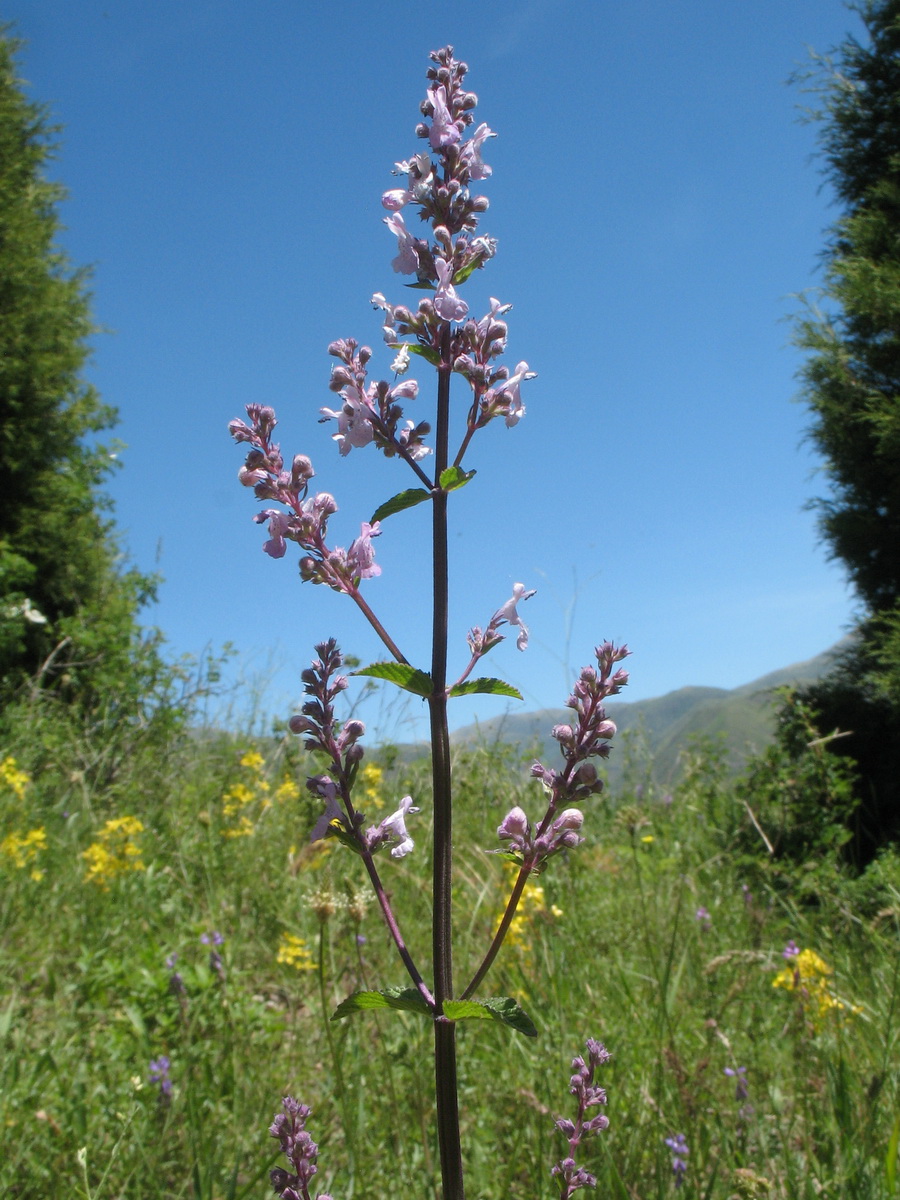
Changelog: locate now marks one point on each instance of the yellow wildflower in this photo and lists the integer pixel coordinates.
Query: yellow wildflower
(16, 780)
(370, 779)
(236, 798)
(287, 790)
(530, 905)
(253, 790)
(293, 952)
(24, 849)
(115, 851)
(243, 828)
(808, 976)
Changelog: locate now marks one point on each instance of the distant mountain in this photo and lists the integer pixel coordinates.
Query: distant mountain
(659, 728)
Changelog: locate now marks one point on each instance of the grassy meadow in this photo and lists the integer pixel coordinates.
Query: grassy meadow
(171, 947)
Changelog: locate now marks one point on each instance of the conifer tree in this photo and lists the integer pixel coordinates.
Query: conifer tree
(67, 612)
(851, 383)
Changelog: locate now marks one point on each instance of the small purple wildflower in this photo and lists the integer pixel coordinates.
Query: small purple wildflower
(215, 939)
(289, 1127)
(159, 1074)
(738, 1074)
(480, 641)
(679, 1147)
(702, 915)
(746, 894)
(791, 951)
(176, 983)
(392, 831)
(581, 1085)
(668, 799)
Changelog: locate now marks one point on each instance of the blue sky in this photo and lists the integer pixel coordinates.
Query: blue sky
(658, 210)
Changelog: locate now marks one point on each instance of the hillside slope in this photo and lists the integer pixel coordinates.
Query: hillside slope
(660, 727)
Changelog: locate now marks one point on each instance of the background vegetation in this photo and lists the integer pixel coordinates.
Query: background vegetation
(172, 947)
(851, 383)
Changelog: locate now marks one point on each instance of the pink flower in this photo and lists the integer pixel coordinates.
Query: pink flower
(407, 260)
(396, 825)
(444, 132)
(279, 524)
(447, 304)
(494, 321)
(361, 556)
(354, 419)
(478, 169)
(393, 829)
(515, 409)
(510, 614)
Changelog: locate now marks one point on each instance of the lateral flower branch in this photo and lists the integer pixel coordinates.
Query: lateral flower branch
(439, 332)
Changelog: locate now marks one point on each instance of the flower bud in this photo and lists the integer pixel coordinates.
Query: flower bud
(395, 199)
(340, 378)
(513, 825)
(251, 477)
(569, 818)
(240, 430)
(300, 724)
(301, 469)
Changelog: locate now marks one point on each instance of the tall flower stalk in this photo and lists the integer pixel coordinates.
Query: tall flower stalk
(440, 333)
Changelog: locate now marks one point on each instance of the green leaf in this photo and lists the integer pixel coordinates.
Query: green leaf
(453, 478)
(408, 999)
(433, 356)
(402, 674)
(466, 1010)
(497, 1008)
(464, 272)
(408, 499)
(346, 838)
(490, 687)
(890, 1162)
(6, 1017)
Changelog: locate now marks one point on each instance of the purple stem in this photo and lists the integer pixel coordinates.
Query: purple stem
(377, 626)
(444, 1031)
(494, 948)
(394, 929)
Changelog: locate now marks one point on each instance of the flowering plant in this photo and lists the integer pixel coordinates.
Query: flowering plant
(440, 332)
